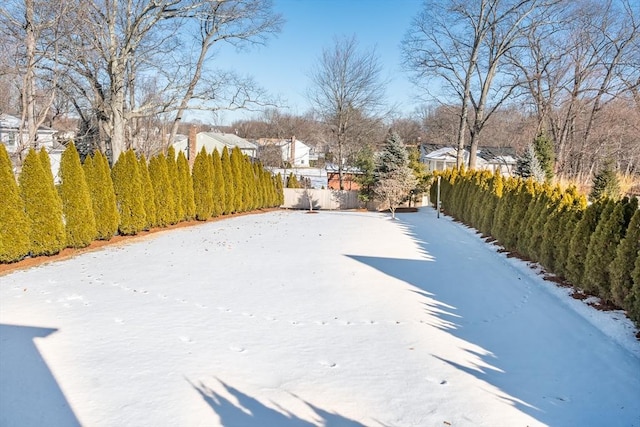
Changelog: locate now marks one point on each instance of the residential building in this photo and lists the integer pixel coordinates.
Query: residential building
(438, 157)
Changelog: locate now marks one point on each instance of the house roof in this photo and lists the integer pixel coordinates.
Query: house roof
(231, 140)
(488, 154)
(7, 121)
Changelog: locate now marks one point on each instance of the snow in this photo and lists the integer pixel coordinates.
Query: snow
(294, 319)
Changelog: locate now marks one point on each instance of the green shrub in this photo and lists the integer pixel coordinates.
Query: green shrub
(103, 198)
(162, 191)
(621, 268)
(202, 186)
(80, 223)
(14, 223)
(148, 195)
(127, 186)
(633, 300)
(218, 184)
(186, 187)
(174, 183)
(42, 205)
(229, 184)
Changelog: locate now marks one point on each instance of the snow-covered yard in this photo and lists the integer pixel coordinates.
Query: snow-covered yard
(291, 319)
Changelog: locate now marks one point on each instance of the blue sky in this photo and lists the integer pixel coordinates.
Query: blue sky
(282, 67)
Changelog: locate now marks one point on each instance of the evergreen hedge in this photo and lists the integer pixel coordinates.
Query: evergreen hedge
(148, 195)
(79, 221)
(596, 248)
(14, 223)
(103, 198)
(127, 185)
(42, 205)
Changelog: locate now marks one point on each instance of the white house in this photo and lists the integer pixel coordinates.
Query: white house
(294, 151)
(10, 137)
(438, 157)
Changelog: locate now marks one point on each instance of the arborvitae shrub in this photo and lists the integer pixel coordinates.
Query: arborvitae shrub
(218, 184)
(148, 195)
(203, 186)
(127, 185)
(229, 185)
(279, 191)
(580, 242)
(186, 187)
(162, 190)
(543, 147)
(42, 205)
(103, 198)
(622, 265)
(238, 180)
(80, 223)
(292, 181)
(601, 250)
(174, 182)
(14, 224)
(260, 190)
(633, 300)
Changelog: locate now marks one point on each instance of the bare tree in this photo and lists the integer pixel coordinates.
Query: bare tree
(462, 44)
(346, 85)
(33, 28)
(166, 45)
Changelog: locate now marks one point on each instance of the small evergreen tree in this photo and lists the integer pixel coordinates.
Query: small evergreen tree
(292, 181)
(580, 242)
(162, 191)
(528, 165)
(543, 147)
(601, 250)
(174, 183)
(103, 198)
(186, 187)
(633, 300)
(14, 223)
(621, 268)
(605, 183)
(127, 186)
(394, 178)
(218, 185)
(148, 195)
(42, 205)
(203, 186)
(80, 223)
(229, 186)
(238, 180)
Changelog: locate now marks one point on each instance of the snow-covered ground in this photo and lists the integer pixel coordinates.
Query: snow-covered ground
(296, 319)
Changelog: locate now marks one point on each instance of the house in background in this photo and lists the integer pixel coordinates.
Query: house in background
(192, 144)
(438, 158)
(294, 151)
(10, 136)
(349, 177)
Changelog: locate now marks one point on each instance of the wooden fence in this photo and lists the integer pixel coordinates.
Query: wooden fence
(300, 198)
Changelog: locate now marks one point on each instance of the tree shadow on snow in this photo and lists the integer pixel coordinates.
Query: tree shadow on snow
(29, 394)
(503, 329)
(250, 412)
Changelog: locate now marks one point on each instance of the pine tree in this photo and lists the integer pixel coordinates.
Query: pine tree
(279, 193)
(148, 195)
(162, 191)
(622, 266)
(543, 147)
(218, 184)
(528, 165)
(186, 187)
(605, 183)
(127, 186)
(174, 182)
(103, 198)
(393, 177)
(42, 205)
(292, 181)
(80, 223)
(202, 186)
(229, 186)
(14, 223)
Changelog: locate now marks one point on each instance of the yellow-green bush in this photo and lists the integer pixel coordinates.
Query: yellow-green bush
(14, 224)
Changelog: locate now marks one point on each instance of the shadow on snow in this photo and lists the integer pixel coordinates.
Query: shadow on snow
(29, 394)
(250, 412)
(510, 336)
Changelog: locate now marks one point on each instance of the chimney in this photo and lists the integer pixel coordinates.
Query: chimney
(292, 151)
(191, 143)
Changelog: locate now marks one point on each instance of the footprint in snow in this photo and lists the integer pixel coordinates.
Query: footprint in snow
(118, 320)
(328, 364)
(237, 349)
(186, 339)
